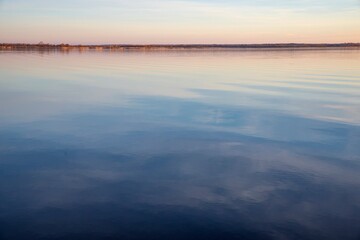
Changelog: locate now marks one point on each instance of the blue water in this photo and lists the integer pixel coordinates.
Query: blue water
(180, 145)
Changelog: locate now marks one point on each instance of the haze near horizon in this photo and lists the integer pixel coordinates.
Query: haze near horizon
(178, 22)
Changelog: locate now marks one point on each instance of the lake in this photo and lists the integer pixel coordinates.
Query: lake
(237, 144)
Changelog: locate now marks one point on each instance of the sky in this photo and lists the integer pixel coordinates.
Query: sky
(179, 21)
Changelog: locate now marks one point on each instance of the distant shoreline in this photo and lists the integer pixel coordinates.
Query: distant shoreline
(68, 47)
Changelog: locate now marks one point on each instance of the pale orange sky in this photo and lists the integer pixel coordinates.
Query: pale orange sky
(179, 21)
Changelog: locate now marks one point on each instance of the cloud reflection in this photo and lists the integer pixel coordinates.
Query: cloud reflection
(229, 178)
(165, 145)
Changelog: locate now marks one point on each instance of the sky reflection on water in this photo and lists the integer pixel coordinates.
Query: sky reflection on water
(180, 145)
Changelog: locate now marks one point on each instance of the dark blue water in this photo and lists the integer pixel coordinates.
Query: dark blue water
(180, 145)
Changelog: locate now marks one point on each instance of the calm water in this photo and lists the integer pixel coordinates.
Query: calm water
(180, 145)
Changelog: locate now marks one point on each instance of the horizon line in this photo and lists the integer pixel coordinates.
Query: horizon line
(150, 47)
(162, 44)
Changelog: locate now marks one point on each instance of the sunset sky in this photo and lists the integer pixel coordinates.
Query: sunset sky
(179, 21)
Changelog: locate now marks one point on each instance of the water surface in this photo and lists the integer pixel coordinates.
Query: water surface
(180, 145)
